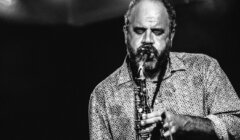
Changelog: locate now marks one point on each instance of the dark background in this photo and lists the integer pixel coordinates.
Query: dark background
(49, 70)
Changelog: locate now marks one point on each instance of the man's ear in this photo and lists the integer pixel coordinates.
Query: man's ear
(125, 31)
(171, 37)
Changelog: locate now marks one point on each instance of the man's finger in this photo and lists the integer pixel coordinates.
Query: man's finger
(148, 129)
(152, 115)
(170, 132)
(168, 124)
(151, 121)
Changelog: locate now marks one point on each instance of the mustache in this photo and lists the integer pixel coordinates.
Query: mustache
(147, 49)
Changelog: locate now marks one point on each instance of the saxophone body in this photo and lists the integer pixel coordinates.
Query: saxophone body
(141, 101)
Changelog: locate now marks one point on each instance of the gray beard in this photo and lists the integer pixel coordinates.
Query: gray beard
(151, 68)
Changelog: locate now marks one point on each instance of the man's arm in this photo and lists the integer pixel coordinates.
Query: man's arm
(222, 107)
(222, 112)
(223, 103)
(181, 126)
(98, 124)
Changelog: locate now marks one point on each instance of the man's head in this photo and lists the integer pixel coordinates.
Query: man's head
(149, 24)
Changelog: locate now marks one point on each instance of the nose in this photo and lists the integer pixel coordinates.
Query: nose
(148, 38)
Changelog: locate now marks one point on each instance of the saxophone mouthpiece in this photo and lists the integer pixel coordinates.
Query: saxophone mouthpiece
(141, 66)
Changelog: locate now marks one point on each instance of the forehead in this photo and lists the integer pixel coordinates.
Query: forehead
(149, 13)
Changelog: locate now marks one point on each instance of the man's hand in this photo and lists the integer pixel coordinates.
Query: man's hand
(178, 124)
(172, 123)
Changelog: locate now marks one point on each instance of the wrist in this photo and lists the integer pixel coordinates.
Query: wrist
(198, 127)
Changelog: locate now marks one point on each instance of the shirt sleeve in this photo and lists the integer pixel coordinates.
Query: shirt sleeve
(223, 103)
(98, 124)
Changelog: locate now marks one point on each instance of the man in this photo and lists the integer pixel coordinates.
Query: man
(189, 95)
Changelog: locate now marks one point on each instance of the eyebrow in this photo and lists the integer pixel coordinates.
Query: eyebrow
(157, 28)
(139, 27)
(144, 28)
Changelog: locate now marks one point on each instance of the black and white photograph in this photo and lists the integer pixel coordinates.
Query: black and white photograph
(119, 70)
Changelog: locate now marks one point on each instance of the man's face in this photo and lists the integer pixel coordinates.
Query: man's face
(148, 28)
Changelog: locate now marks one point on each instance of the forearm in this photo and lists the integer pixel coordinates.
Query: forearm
(198, 128)
(227, 125)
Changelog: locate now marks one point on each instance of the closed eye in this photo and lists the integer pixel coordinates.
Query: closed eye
(139, 30)
(158, 32)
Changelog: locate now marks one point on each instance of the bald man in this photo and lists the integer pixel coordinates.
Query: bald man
(158, 94)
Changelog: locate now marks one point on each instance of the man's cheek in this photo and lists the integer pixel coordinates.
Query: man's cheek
(134, 45)
(160, 45)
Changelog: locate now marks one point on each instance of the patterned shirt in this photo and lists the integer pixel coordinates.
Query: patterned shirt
(193, 84)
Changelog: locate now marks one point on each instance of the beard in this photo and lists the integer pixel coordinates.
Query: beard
(153, 60)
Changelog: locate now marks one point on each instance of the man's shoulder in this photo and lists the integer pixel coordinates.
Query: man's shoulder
(109, 82)
(194, 59)
(192, 56)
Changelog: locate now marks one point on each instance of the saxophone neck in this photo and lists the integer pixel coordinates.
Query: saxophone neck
(141, 68)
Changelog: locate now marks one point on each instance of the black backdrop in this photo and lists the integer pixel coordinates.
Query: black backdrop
(48, 71)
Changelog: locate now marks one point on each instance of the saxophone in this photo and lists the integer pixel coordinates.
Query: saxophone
(142, 105)
(141, 100)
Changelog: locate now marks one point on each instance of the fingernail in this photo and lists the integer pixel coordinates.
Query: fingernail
(165, 125)
(165, 135)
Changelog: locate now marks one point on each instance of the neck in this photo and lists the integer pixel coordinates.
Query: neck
(152, 76)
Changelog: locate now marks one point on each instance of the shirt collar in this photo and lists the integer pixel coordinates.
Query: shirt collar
(175, 64)
(124, 75)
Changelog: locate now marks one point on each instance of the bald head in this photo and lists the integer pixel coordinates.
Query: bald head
(150, 12)
(144, 6)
